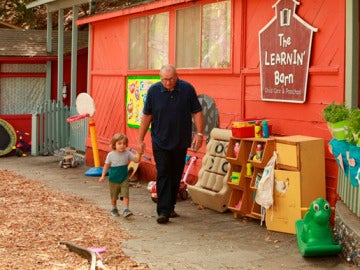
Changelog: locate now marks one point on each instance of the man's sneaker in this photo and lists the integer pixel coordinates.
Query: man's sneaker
(115, 212)
(173, 214)
(127, 213)
(162, 219)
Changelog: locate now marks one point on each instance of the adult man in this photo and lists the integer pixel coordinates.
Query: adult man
(169, 108)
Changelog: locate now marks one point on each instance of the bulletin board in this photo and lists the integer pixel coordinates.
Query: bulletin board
(136, 92)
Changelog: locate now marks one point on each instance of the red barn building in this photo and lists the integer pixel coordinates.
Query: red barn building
(23, 71)
(215, 46)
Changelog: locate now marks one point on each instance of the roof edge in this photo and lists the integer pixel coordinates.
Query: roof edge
(131, 10)
(38, 3)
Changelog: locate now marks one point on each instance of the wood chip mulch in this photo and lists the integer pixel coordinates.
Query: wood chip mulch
(35, 219)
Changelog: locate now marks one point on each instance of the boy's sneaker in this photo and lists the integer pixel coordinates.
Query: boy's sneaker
(115, 212)
(127, 213)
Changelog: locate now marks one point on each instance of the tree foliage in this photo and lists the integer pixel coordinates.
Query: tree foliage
(14, 12)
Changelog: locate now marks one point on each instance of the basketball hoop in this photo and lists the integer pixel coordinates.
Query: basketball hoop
(77, 117)
(86, 108)
(85, 104)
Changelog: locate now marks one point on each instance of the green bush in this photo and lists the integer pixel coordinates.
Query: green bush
(334, 113)
(354, 126)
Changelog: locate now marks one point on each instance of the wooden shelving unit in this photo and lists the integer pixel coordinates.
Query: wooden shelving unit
(242, 196)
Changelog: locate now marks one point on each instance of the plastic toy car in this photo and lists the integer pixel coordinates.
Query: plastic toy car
(182, 193)
(68, 161)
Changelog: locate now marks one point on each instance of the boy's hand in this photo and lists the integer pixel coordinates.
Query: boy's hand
(101, 179)
(137, 157)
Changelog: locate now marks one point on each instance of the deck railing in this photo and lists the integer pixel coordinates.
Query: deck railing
(349, 194)
(78, 131)
(51, 131)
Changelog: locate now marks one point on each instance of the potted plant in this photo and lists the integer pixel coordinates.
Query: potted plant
(354, 127)
(336, 116)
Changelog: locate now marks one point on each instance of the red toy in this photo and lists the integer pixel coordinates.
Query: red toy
(183, 193)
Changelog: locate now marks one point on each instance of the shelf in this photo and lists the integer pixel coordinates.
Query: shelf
(236, 202)
(256, 177)
(234, 186)
(242, 197)
(230, 154)
(261, 159)
(244, 151)
(235, 171)
(256, 210)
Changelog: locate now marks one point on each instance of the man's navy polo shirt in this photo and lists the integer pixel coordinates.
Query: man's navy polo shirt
(171, 111)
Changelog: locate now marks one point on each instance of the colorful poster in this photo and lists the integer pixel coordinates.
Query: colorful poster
(136, 91)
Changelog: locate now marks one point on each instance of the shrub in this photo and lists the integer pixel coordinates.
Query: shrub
(334, 113)
(354, 125)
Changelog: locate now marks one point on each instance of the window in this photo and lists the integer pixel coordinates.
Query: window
(21, 95)
(158, 40)
(285, 17)
(188, 37)
(149, 42)
(22, 89)
(202, 38)
(206, 32)
(137, 46)
(23, 68)
(216, 35)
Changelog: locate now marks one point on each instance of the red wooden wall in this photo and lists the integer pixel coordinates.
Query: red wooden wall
(236, 91)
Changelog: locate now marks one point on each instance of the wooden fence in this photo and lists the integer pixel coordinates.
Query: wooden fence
(78, 131)
(51, 131)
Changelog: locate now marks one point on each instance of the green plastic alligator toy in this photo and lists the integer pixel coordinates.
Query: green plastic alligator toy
(313, 233)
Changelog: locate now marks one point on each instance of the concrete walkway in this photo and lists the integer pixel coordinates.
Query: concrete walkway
(198, 239)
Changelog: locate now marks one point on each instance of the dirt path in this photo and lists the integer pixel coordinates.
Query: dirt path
(199, 239)
(35, 219)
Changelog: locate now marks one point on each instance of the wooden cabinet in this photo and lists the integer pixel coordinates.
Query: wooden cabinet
(286, 209)
(246, 168)
(299, 180)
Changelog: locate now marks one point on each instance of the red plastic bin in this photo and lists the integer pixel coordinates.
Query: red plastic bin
(243, 132)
